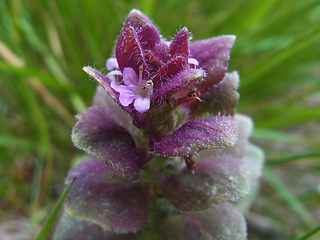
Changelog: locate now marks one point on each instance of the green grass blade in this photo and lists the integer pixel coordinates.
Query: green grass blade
(10, 141)
(253, 73)
(43, 235)
(268, 134)
(287, 196)
(309, 233)
(293, 157)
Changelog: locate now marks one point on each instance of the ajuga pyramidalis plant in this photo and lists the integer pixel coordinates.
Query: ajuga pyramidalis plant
(169, 156)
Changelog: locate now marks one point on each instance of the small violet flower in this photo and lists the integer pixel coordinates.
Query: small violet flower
(134, 89)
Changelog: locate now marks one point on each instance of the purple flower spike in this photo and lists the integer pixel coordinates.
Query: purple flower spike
(193, 136)
(161, 102)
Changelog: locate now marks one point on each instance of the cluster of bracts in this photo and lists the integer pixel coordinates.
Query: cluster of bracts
(170, 158)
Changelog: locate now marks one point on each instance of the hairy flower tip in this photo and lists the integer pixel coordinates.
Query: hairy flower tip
(193, 136)
(103, 80)
(179, 86)
(213, 55)
(221, 222)
(215, 180)
(138, 34)
(220, 99)
(180, 44)
(100, 135)
(97, 196)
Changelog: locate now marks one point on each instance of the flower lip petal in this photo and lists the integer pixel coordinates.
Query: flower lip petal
(126, 98)
(142, 104)
(112, 75)
(130, 76)
(193, 61)
(112, 64)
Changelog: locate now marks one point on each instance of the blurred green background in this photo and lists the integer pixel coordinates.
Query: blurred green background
(45, 43)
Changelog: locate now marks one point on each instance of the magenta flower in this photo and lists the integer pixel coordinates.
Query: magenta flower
(163, 125)
(134, 89)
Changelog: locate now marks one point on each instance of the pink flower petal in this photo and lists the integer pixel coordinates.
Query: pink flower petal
(119, 88)
(112, 75)
(130, 76)
(193, 61)
(142, 104)
(126, 98)
(112, 64)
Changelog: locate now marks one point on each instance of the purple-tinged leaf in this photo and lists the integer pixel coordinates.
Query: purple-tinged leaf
(193, 136)
(98, 134)
(103, 99)
(222, 222)
(143, 29)
(103, 80)
(214, 181)
(153, 63)
(220, 99)
(139, 21)
(254, 159)
(180, 44)
(213, 56)
(244, 126)
(129, 52)
(180, 85)
(170, 69)
(69, 228)
(161, 51)
(97, 196)
(148, 36)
